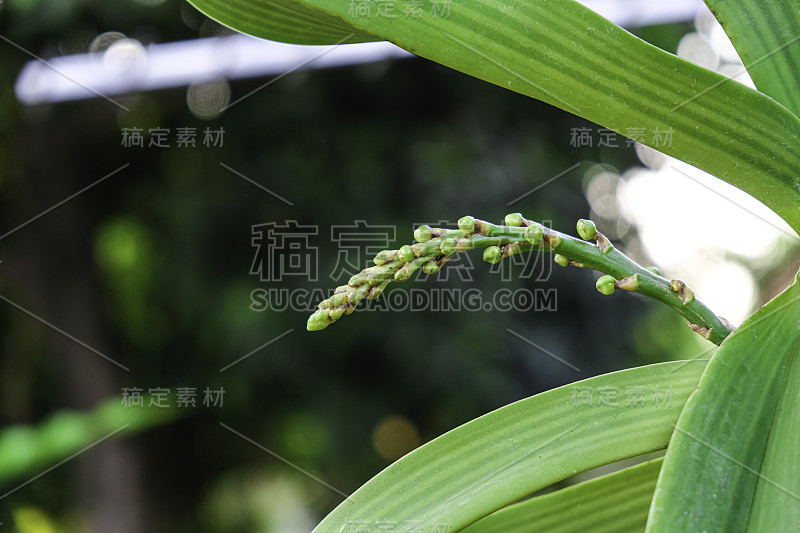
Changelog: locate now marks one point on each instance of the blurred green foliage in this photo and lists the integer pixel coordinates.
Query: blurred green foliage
(26, 449)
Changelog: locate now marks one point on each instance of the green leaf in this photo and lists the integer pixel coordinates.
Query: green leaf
(284, 20)
(733, 456)
(776, 505)
(767, 37)
(563, 53)
(613, 503)
(514, 451)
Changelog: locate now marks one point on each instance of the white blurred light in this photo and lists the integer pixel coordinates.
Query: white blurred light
(711, 48)
(644, 13)
(687, 229)
(650, 156)
(722, 44)
(125, 56)
(710, 28)
(601, 191)
(729, 289)
(679, 195)
(184, 63)
(692, 224)
(737, 73)
(705, 21)
(697, 49)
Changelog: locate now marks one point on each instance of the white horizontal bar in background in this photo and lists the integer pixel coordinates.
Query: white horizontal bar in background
(137, 69)
(183, 63)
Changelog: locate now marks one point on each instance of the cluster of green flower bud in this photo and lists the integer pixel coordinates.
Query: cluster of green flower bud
(433, 248)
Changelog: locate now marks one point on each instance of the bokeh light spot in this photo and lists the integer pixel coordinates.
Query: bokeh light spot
(394, 436)
(102, 42)
(208, 100)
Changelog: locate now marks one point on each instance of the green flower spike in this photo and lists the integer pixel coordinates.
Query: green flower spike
(436, 245)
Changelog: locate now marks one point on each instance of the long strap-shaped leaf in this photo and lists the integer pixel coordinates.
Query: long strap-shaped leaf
(614, 503)
(776, 506)
(734, 454)
(563, 53)
(509, 453)
(767, 36)
(284, 20)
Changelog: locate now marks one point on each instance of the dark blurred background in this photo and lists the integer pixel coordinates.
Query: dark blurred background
(155, 268)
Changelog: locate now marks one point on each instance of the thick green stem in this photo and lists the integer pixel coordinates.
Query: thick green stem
(520, 235)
